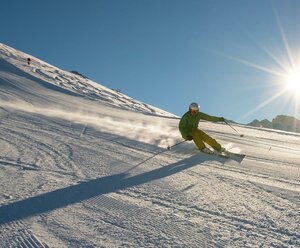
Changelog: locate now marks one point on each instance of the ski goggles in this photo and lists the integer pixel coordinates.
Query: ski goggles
(194, 111)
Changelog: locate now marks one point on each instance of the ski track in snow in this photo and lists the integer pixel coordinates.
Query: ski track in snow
(18, 234)
(77, 172)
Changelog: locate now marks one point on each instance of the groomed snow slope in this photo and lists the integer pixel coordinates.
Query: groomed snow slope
(78, 170)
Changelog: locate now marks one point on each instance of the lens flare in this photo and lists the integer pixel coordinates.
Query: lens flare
(293, 80)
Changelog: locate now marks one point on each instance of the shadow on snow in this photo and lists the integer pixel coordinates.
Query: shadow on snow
(77, 193)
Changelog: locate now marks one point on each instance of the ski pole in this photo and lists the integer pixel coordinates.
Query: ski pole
(241, 135)
(169, 147)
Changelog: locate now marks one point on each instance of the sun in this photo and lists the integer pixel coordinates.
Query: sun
(293, 80)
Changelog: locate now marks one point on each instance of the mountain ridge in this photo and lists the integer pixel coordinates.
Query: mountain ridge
(280, 122)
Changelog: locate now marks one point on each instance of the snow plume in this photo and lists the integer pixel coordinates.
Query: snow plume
(230, 147)
(124, 123)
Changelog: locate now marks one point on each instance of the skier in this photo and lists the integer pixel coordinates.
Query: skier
(188, 127)
(28, 61)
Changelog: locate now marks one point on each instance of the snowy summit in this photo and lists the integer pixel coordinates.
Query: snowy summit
(86, 166)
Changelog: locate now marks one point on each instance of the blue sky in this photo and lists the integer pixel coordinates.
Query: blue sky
(225, 55)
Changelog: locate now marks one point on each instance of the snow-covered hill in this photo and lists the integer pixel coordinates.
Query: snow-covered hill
(73, 82)
(84, 166)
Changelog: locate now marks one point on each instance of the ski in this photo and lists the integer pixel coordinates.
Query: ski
(226, 154)
(233, 156)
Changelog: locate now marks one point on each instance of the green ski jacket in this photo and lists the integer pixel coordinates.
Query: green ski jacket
(189, 123)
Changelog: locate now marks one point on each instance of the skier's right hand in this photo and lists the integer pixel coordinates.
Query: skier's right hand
(189, 137)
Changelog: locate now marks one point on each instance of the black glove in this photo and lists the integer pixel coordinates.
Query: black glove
(222, 119)
(189, 137)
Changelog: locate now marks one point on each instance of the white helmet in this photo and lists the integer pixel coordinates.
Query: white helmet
(194, 106)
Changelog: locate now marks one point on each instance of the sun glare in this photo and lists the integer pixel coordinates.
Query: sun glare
(285, 74)
(293, 80)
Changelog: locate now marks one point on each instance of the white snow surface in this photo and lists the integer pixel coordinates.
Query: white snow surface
(85, 166)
